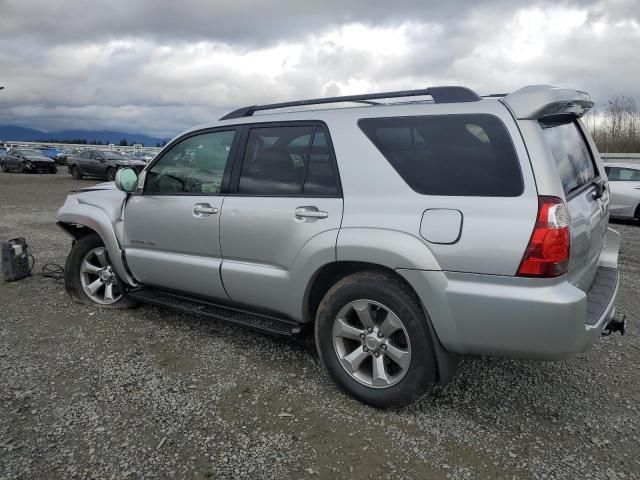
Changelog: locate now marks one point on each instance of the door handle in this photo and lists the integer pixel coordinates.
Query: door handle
(310, 212)
(203, 210)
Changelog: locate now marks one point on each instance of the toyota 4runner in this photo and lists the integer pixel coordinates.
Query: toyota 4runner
(403, 228)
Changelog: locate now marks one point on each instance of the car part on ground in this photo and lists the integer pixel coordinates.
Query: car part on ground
(15, 259)
(454, 221)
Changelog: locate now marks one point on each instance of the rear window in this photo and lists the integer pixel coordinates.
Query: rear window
(571, 155)
(466, 155)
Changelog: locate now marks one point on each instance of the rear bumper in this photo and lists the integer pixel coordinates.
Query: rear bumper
(519, 317)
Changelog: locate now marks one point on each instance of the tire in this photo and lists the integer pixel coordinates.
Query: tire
(3, 167)
(54, 170)
(111, 174)
(382, 292)
(23, 168)
(75, 172)
(74, 276)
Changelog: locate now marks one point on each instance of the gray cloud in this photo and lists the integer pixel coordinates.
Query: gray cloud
(161, 68)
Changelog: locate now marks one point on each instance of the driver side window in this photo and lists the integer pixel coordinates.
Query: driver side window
(194, 165)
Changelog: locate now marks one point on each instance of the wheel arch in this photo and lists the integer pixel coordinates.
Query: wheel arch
(326, 276)
(80, 220)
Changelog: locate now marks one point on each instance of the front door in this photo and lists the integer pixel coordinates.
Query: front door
(171, 229)
(281, 217)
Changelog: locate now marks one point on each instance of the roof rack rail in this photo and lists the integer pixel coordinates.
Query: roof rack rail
(439, 95)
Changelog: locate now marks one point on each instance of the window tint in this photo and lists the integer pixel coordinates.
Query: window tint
(571, 155)
(275, 160)
(195, 165)
(469, 155)
(322, 178)
(623, 174)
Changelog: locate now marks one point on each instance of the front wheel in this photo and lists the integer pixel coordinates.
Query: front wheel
(111, 174)
(373, 338)
(89, 276)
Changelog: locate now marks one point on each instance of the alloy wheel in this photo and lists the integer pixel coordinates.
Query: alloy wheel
(371, 343)
(98, 278)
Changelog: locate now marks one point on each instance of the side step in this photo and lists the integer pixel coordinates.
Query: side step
(263, 323)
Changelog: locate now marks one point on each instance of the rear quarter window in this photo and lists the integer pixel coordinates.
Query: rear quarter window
(571, 155)
(463, 155)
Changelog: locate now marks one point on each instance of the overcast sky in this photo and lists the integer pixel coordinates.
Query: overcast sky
(140, 66)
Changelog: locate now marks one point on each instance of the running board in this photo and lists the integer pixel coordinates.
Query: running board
(260, 322)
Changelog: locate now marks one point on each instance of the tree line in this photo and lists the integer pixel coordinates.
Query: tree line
(617, 128)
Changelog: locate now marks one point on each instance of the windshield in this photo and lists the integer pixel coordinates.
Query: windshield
(30, 152)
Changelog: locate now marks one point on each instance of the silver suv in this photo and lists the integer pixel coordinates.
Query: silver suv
(404, 229)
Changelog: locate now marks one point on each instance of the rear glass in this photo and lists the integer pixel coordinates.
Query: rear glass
(466, 155)
(571, 155)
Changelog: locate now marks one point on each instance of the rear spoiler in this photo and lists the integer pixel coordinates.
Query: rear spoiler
(536, 102)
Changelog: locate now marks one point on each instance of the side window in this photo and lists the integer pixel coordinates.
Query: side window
(97, 155)
(322, 177)
(275, 160)
(194, 165)
(289, 161)
(466, 155)
(629, 175)
(613, 173)
(86, 154)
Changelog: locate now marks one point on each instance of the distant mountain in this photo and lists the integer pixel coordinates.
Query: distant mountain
(22, 134)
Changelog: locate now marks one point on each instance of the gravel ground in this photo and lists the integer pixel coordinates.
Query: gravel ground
(92, 393)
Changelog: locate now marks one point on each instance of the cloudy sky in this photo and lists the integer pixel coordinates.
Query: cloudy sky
(160, 67)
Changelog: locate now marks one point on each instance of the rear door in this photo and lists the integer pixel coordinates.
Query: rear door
(86, 162)
(282, 214)
(588, 207)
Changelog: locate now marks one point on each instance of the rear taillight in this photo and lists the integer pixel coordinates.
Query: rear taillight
(547, 254)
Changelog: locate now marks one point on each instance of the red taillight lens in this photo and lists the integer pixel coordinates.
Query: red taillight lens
(548, 252)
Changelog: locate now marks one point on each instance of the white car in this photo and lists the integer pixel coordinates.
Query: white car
(624, 187)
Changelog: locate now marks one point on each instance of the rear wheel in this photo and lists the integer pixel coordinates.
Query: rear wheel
(111, 174)
(75, 172)
(89, 276)
(372, 336)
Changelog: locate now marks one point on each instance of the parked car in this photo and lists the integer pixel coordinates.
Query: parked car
(101, 164)
(624, 183)
(62, 157)
(403, 235)
(27, 161)
(51, 152)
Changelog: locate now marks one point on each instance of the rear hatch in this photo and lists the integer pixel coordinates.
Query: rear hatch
(586, 197)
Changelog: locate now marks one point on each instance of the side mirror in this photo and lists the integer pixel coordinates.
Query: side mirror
(126, 180)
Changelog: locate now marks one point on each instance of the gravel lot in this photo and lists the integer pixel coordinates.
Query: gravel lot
(91, 393)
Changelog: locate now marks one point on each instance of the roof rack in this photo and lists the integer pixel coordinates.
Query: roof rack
(439, 95)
